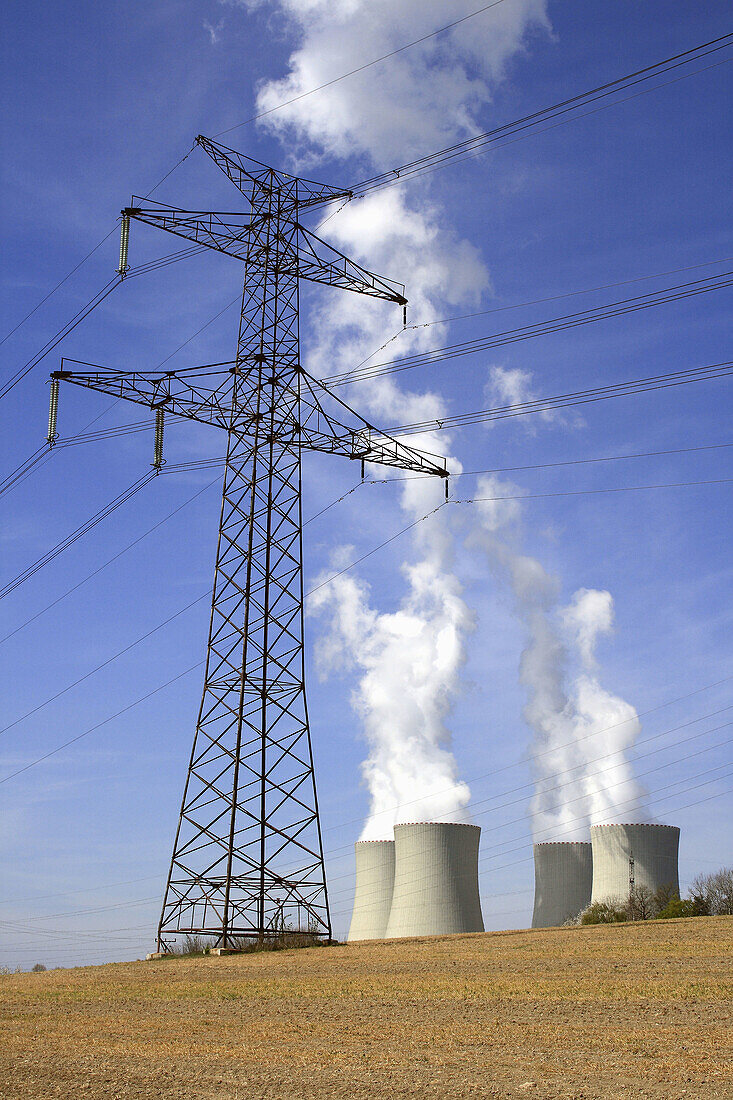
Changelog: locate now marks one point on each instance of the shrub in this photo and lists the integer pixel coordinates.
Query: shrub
(679, 907)
(38, 968)
(604, 912)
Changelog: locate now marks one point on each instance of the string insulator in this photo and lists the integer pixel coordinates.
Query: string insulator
(124, 241)
(52, 412)
(446, 488)
(158, 460)
(404, 316)
(363, 470)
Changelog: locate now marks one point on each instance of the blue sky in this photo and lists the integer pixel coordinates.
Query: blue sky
(98, 104)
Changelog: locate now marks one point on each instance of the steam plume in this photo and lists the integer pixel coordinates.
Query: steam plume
(408, 660)
(575, 719)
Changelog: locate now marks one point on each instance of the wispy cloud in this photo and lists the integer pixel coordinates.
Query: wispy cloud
(214, 30)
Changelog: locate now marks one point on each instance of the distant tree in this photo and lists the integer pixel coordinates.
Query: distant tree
(679, 907)
(663, 895)
(640, 904)
(722, 892)
(38, 968)
(604, 912)
(714, 893)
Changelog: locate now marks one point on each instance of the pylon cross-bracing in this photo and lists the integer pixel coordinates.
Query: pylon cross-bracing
(248, 851)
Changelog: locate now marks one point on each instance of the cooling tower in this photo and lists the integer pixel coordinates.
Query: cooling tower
(563, 876)
(375, 865)
(654, 851)
(436, 880)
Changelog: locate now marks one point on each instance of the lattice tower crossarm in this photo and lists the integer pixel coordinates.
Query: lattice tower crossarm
(248, 847)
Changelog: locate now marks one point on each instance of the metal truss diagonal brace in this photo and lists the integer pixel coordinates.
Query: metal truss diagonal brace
(250, 176)
(303, 254)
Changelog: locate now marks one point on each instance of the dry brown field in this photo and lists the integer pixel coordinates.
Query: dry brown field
(632, 1011)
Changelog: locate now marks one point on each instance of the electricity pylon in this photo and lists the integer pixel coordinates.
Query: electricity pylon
(248, 847)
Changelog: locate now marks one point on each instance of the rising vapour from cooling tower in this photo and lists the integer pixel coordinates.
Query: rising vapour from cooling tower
(408, 662)
(582, 732)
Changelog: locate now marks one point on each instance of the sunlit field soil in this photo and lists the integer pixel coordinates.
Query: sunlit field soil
(631, 1011)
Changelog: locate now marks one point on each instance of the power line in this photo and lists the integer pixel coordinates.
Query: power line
(104, 722)
(198, 664)
(110, 561)
(459, 150)
(593, 492)
(560, 297)
(360, 68)
(149, 633)
(541, 328)
(576, 462)
(25, 469)
(107, 662)
(88, 255)
(69, 327)
(54, 552)
(58, 286)
(631, 388)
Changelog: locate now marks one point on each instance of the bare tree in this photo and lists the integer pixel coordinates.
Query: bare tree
(714, 893)
(641, 904)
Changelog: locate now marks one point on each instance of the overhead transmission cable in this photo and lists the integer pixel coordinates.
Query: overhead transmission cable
(88, 307)
(153, 630)
(561, 323)
(361, 68)
(472, 146)
(89, 254)
(54, 552)
(110, 561)
(53, 342)
(192, 668)
(630, 388)
(560, 297)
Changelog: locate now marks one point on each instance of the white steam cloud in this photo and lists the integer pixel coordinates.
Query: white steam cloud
(582, 731)
(409, 661)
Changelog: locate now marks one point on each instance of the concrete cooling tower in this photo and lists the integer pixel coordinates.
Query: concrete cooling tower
(436, 880)
(563, 877)
(375, 868)
(653, 848)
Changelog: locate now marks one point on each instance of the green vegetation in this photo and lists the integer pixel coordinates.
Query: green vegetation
(710, 896)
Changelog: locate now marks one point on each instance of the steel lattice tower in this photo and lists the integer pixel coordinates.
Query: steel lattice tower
(248, 847)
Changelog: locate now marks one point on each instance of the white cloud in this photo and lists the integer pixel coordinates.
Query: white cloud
(513, 387)
(422, 98)
(214, 30)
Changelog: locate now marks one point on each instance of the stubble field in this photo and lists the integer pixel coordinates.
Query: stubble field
(631, 1011)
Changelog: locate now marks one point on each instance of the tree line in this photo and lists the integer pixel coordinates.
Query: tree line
(709, 896)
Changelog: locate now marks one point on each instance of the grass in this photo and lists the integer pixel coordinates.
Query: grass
(636, 1011)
